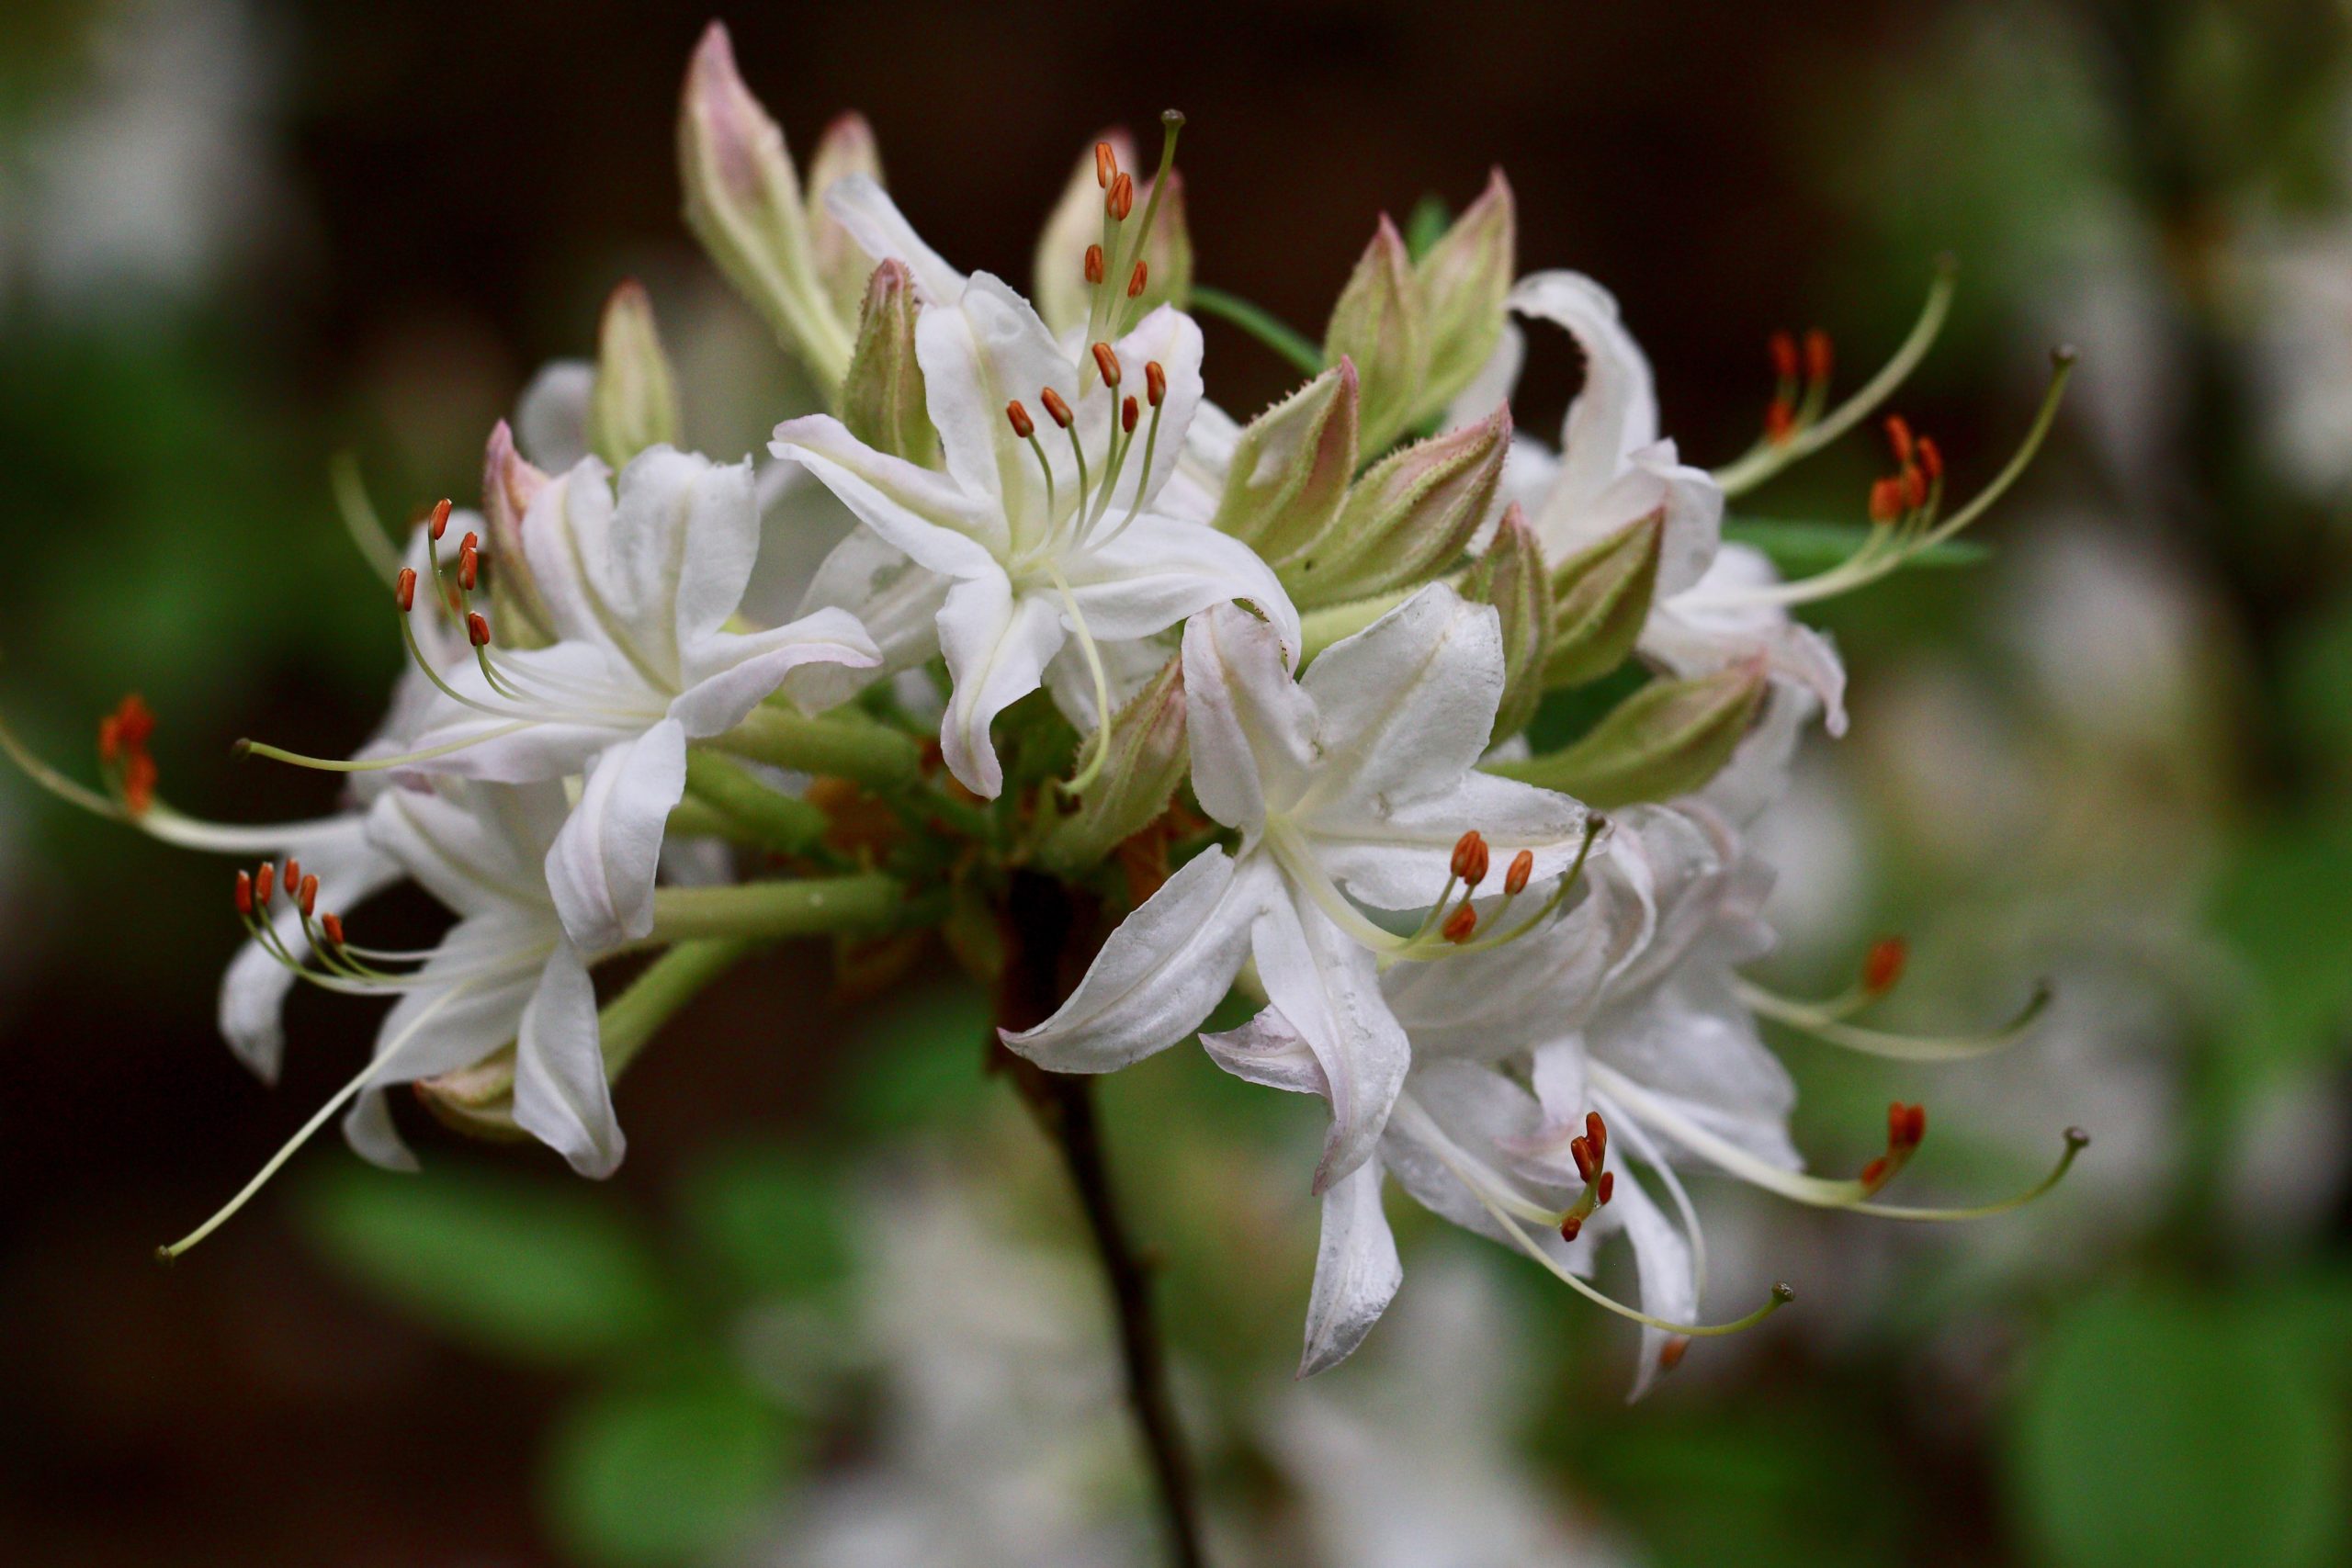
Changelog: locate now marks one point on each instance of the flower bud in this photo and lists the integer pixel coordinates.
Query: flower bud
(1145, 764)
(1511, 577)
(1665, 740)
(1292, 466)
(743, 203)
(634, 403)
(1601, 597)
(1377, 322)
(840, 263)
(1464, 280)
(510, 482)
(1410, 517)
(882, 396)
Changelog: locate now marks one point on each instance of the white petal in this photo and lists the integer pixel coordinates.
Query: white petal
(1617, 408)
(1268, 1051)
(1508, 1000)
(1407, 702)
(477, 848)
(1327, 986)
(1170, 339)
(1696, 633)
(1356, 1270)
(1662, 1257)
(1485, 1116)
(928, 515)
(896, 600)
(1163, 970)
(996, 648)
(1491, 388)
(859, 204)
(684, 538)
(1158, 570)
(561, 1097)
(1395, 854)
(469, 742)
(601, 868)
(978, 357)
(801, 523)
(1251, 727)
(730, 673)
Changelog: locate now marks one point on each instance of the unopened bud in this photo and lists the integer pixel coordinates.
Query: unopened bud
(1411, 516)
(1377, 322)
(633, 403)
(1464, 281)
(509, 485)
(1291, 469)
(1665, 740)
(883, 393)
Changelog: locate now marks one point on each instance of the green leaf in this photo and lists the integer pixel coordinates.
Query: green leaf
(2165, 1428)
(2284, 905)
(919, 1062)
(536, 1271)
(769, 1217)
(1800, 549)
(641, 1477)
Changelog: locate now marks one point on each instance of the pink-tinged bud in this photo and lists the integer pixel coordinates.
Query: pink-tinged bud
(1411, 515)
(744, 201)
(404, 589)
(1512, 577)
(478, 630)
(1145, 760)
(1107, 364)
(882, 396)
(634, 401)
(1665, 740)
(1291, 469)
(509, 486)
(1023, 425)
(1523, 868)
(1379, 323)
(1883, 966)
(847, 148)
(1464, 281)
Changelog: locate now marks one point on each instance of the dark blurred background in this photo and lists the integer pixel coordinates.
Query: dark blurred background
(238, 237)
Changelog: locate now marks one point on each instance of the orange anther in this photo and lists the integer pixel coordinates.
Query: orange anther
(293, 873)
(1136, 278)
(1898, 437)
(1915, 486)
(1128, 414)
(1784, 356)
(1779, 421)
(1108, 362)
(440, 517)
(1470, 858)
(264, 884)
(1155, 382)
(1054, 407)
(136, 720)
(1106, 165)
(1523, 867)
(1818, 359)
(478, 630)
(1023, 425)
(1122, 199)
(139, 782)
(310, 898)
(331, 924)
(469, 565)
(245, 892)
(1931, 460)
(1607, 1188)
(1460, 924)
(1886, 501)
(404, 589)
(1093, 263)
(1883, 965)
(1671, 1354)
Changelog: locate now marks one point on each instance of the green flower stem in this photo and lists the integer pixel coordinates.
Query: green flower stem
(805, 906)
(750, 810)
(841, 745)
(669, 983)
(1261, 324)
(692, 818)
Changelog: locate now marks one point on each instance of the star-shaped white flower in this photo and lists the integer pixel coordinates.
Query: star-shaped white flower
(1613, 469)
(640, 589)
(1350, 789)
(1048, 533)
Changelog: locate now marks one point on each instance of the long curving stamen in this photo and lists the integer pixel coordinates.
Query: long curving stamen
(1826, 1025)
(318, 1120)
(1887, 549)
(1155, 389)
(1094, 769)
(1817, 1191)
(1459, 1163)
(1171, 123)
(1769, 458)
(378, 764)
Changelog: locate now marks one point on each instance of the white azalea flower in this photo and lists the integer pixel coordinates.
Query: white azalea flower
(1349, 788)
(1045, 534)
(639, 589)
(1613, 469)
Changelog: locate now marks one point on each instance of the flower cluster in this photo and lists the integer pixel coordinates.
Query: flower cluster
(1105, 685)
